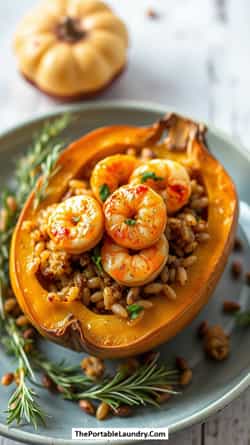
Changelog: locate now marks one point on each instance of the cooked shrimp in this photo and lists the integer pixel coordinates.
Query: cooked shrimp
(169, 178)
(76, 224)
(134, 269)
(111, 173)
(135, 216)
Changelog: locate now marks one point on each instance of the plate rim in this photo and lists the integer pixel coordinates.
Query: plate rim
(221, 402)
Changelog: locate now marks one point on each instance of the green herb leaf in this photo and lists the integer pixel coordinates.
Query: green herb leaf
(243, 318)
(104, 192)
(134, 310)
(75, 219)
(150, 175)
(96, 258)
(130, 222)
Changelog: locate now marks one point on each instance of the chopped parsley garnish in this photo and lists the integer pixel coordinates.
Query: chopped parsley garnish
(76, 219)
(130, 222)
(150, 175)
(96, 258)
(104, 192)
(134, 310)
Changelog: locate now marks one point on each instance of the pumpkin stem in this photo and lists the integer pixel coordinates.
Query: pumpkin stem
(69, 30)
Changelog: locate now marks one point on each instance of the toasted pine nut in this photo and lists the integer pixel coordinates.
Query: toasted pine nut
(119, 310)
(22, 320)
(94, 283)
(10, 304)
(133, 295)
(7, 379)
(97, 296)
(153, 288)
(181, 275)
(102, 411)
(87, 406)
(169, 292)
(147, 304)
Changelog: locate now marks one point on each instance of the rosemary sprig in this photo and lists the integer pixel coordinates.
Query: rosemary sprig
(68, 378)
(41, 159)
(48, 170)
(22, 405)
(29, 167)
(140, 388)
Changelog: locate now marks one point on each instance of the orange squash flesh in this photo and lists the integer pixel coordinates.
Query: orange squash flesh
(74, 325)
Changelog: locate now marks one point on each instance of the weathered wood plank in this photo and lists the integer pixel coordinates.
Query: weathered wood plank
(230, 426)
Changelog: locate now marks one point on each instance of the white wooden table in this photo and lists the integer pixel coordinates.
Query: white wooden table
(194, 57)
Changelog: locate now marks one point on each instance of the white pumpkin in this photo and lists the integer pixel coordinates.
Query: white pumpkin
(70, 48)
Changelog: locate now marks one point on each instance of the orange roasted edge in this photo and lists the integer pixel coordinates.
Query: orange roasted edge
(74, 325)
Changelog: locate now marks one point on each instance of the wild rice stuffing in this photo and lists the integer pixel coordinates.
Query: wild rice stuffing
(70, 277)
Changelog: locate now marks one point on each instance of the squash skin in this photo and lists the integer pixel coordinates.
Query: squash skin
(75, 326)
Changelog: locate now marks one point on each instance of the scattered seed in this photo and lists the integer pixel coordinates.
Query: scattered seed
(22, 321)
(132, 295)
(163, 397)
(146, 304)
(202, 329)
(236, 269)
(7, 379)
(152, 14)
(123, 411)
(181, 275)
(230, 306)
(119, 310)
(10, 304)
(12, 204)
(94, 283)
(153, 288)
(169, 292)
(181, 363)
(96, 296)
(87, 407)
(164, 274)
(186, 377)
(102, 411)
(216, 343)
(238, 245)
(93, 366)
(29, 334)
(47, 382)
(189, 261)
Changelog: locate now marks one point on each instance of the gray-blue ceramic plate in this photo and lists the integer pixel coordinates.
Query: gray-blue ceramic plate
(214, 384)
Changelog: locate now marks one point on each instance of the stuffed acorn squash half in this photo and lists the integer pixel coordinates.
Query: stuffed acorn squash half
(130, 241)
